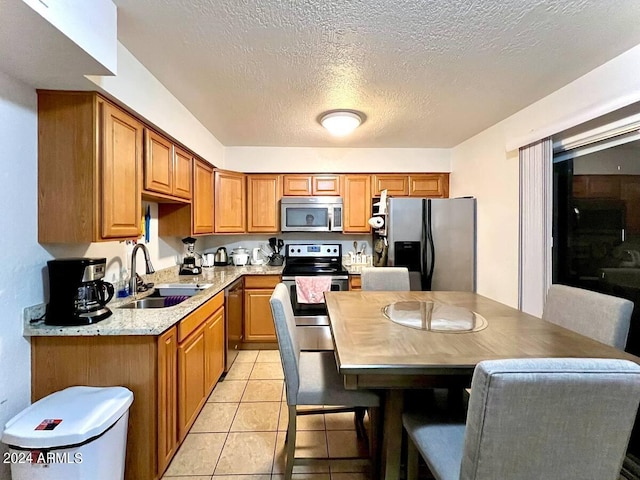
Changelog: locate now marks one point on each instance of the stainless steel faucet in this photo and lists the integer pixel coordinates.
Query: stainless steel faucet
(133, 281)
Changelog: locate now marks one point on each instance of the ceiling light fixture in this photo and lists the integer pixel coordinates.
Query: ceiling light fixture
(341, 122)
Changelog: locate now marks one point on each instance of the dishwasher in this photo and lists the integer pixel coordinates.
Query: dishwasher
(233, 307)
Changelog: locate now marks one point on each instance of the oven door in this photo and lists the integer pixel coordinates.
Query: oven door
(313, 313)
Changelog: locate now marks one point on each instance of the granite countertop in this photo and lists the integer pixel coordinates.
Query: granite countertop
(152, 321)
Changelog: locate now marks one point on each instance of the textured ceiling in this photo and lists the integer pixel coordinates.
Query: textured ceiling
(425, 73)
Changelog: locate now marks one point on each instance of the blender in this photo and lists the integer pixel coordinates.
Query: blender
(189, 265)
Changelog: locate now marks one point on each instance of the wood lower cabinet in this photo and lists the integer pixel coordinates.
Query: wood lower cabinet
(230, 202)
(131, 361)
(355, 282)
(170, 376)
(89, 169)
(200, 347)
(215, 345)
(258, 322)
(357, 203)
(167, 397)
(263, 209)
(191, 380)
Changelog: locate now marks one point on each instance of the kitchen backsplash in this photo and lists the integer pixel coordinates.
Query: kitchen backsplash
(249, 241)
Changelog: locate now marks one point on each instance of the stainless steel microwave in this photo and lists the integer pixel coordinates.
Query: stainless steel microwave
(311, 214)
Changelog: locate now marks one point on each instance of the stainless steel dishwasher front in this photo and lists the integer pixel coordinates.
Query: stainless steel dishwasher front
(233, 307)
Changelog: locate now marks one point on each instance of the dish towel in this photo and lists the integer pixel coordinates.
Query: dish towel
(311, 289)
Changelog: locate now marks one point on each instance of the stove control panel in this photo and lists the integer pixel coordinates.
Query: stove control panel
(314, 250)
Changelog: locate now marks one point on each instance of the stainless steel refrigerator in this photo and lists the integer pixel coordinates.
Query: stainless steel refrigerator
(436, 239)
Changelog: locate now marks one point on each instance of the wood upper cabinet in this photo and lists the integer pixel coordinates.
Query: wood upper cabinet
(167, 168)
(396, 185)
(158, 163)
(89, 169)
(357, 203)
(414, 184)
(202, 203)
(121, 173)
(307, 185)
(263, 210)
(182, 173)
(429, 185)
(258, 322)
(230, 202)
(326, 185)
(167, 398)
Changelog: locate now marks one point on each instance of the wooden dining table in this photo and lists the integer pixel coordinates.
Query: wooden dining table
(374, 352)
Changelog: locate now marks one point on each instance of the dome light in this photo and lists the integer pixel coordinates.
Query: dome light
(340, 123)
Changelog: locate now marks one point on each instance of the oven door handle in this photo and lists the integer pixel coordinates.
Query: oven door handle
(333, 277)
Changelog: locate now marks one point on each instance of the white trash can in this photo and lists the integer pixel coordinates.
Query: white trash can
(77, 433)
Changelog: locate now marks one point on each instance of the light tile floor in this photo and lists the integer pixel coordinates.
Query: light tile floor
(239, 435)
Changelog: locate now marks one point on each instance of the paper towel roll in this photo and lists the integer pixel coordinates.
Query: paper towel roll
(376, 222)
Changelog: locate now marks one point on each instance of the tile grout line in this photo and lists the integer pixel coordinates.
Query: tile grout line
(229, 430)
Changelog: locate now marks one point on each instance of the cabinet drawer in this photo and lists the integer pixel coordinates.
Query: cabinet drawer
(355, 282)
(261, 281)
(190, 323)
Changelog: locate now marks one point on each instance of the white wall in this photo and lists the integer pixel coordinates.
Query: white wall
(335, 160)
(21, 258)
(486, 165)
(90, 25)
(142, 93)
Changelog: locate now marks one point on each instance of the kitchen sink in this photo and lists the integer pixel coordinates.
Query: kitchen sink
(155, 302)
(188, 289)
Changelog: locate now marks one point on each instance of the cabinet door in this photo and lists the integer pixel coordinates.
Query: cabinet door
(395, 185)
(191, 380)
(258, 322)
(355, 282)
(263, 209)
(230, 203)
(182, 173)
(121, 162)
(299, 185)
(167, 398)
(429, 185)
(215, 348)
(357, 203)
(202, 204)
(326, 185)
(158, 163)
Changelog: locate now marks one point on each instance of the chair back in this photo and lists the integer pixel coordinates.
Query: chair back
(602, 317)
(550, 418)
(285, 323)
(385, 278)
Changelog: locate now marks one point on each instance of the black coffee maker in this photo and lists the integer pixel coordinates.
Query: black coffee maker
(77, 294)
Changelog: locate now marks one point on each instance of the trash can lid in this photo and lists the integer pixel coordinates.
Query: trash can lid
(68, 417)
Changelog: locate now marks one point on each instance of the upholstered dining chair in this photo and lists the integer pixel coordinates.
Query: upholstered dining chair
(602, 317)
(312, 378)
(385, 278)
(529, 419)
